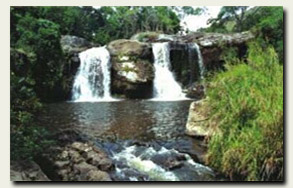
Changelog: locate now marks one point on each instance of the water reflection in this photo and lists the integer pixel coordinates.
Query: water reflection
(139, 120)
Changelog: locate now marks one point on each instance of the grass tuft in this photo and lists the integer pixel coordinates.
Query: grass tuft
(246, 103)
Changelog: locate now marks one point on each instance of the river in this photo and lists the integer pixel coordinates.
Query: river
(139, 135)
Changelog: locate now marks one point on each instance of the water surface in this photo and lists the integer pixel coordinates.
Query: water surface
(157, 126)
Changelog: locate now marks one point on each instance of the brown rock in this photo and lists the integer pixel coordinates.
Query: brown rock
(125, 47)
(97, 175)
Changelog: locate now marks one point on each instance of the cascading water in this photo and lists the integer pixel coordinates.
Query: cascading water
(165, 85)
(200, 61)
(92, 81)
(140, 163)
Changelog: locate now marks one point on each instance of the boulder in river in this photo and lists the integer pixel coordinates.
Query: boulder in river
(197, 123)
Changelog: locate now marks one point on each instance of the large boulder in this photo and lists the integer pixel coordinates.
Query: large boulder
(130, 48)
(197, 122)
(132, 69)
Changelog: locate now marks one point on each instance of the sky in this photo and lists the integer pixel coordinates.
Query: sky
(192, 23)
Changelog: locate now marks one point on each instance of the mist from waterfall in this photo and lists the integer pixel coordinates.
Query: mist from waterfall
(165, 85)
(92, 81)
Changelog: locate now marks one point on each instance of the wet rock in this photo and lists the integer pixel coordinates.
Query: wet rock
(64, 174)
(93, 158)
(64, 155)
(169, 161)
(105, 164)
(83, 168)
(80, 147)
(173, 163)
(75, 157)
(97, 175)
(196, 91)
(79, 162)
(197, 123)
(26, 171)
(62, 164)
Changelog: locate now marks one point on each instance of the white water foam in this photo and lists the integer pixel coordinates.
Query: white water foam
(165, 86)
(92, 81)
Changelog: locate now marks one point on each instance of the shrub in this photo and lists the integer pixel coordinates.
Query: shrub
(246, 102)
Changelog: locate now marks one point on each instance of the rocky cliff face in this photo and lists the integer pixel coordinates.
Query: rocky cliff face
(132, 71)
(132, 68)
(212, 46)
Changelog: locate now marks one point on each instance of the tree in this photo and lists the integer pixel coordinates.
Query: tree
(228, 13)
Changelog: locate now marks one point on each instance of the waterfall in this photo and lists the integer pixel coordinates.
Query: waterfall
(200, 61)
(165, 85)
(92, 81)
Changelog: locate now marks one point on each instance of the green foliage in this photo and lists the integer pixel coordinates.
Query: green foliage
(150, 36)
(123, 22)
(246, 103)
(28, 142)
(267, 22)
(226, 18)
(229, 54)
(39, 40)
(26, 139)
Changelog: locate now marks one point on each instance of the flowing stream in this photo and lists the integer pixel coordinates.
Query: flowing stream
(92, 81)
